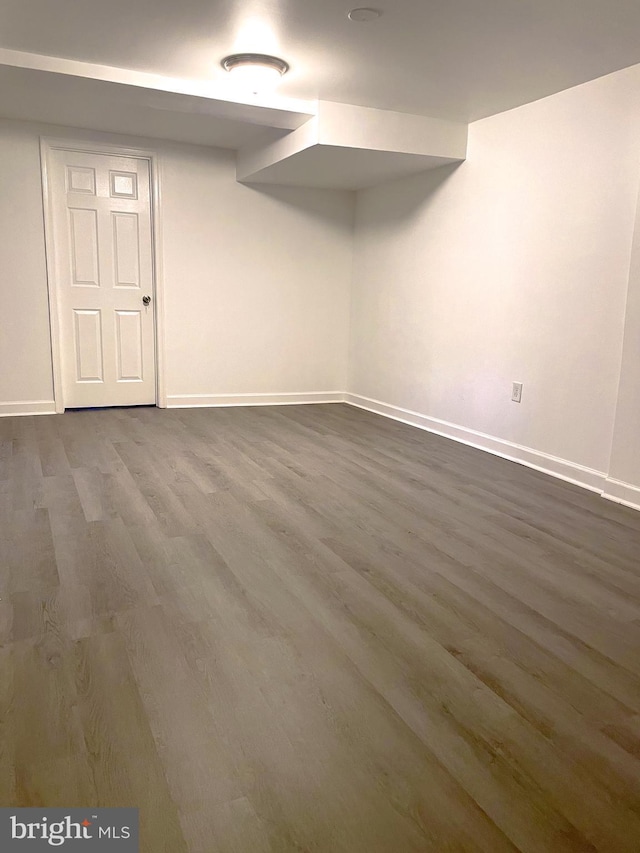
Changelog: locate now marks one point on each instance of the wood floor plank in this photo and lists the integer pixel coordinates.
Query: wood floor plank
(473, 632)
(120, 749)
(308, 628)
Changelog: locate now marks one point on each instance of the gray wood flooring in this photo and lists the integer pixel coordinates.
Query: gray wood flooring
(313, 629)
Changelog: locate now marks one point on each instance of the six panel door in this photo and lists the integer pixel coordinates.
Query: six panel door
(104, 270)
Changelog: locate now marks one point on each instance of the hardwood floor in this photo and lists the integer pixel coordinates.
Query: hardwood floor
(313, 629)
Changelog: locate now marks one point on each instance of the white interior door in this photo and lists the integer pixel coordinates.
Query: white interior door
(101, 214)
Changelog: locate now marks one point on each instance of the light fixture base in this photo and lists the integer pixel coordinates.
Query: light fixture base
(238, 60)
(364, 14)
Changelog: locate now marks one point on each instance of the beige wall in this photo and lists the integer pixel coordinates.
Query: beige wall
(25, 351)
(510, 267)
(257, 280)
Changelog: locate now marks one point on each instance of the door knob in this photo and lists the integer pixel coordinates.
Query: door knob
(146, 300)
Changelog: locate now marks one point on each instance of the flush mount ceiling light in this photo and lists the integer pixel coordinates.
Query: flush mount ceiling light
(363, 15)
(255, 72)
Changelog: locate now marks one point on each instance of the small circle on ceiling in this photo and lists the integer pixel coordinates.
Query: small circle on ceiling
(364, 15)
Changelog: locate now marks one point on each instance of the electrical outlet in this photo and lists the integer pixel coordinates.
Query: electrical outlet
(516, 392)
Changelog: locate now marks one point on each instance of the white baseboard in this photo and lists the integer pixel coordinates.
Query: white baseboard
(622, 493)
(563, 469)
(188, 401)
(27, 407)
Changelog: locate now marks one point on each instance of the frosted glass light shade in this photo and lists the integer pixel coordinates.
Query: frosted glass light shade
(254, 72)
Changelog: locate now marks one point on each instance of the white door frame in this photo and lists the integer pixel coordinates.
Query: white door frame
(47, 146)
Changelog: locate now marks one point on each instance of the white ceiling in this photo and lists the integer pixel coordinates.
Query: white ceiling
(456, 59)
(151, 68)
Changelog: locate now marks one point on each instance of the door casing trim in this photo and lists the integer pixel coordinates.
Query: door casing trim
(49, 144)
